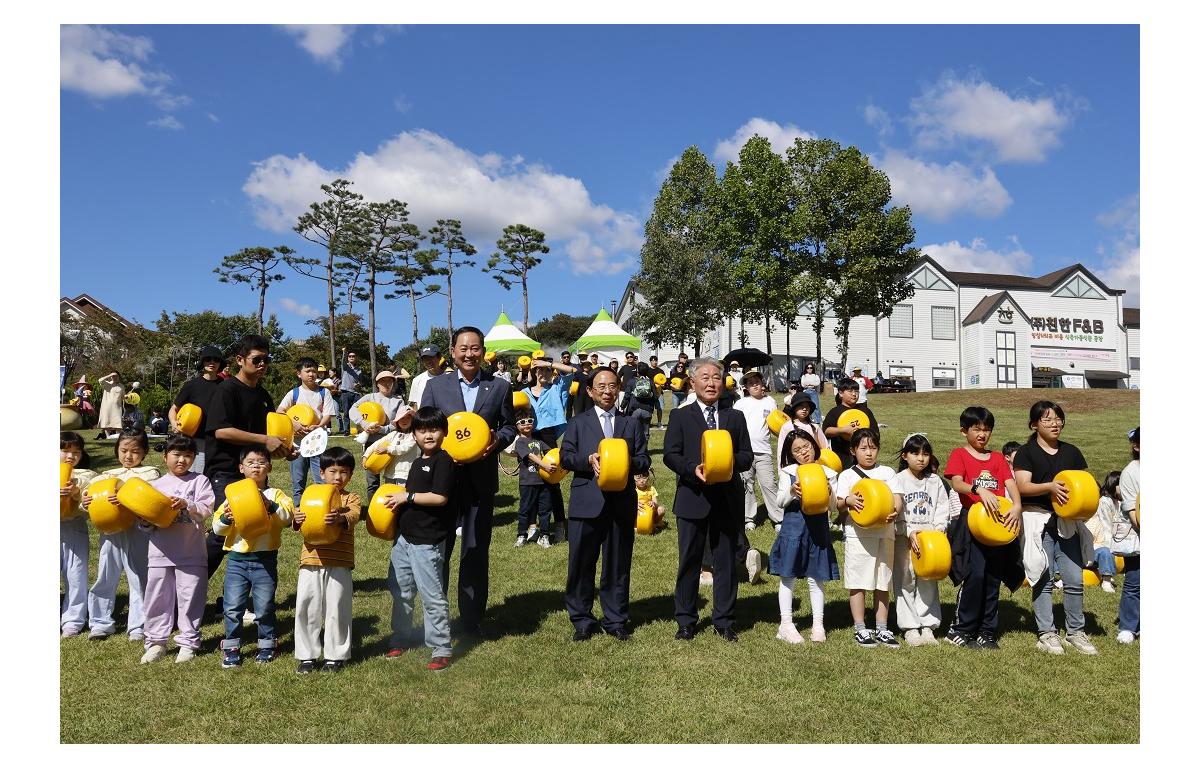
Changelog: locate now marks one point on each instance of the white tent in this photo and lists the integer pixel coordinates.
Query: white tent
(505, 337)
(606, 339)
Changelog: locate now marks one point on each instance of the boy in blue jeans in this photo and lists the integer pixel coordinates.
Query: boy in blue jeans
(251, 565)
(425, 520)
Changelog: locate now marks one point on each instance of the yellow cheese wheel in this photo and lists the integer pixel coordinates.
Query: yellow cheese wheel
(467, 437)
(189, 417)
(989, 529)
(108, 518)
(524, 361)
(555, 477)
(716, 454)
(614, 464)
(854, 417)
(729, 382)
(645, 520)
(660, 379)
(1090, 578)
(65, 503)
(377, 462)
(877, 503)
(303, 414)
(574, 388)
(934, 562)
(316, 503)
(538, 353)
(279, 425)
(520, 400)
(1120, 563)
(133, 398)
(775, 421)
(380, 520)
(147, 502)
(1083, 494)
(372, 413)
(676, 383)
(814, 489)
(248, 509)
(830, 459)
(489, 356)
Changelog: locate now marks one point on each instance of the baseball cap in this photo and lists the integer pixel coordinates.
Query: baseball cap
(430, 351)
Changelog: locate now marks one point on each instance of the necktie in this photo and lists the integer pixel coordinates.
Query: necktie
(608, 426)
(712, 421)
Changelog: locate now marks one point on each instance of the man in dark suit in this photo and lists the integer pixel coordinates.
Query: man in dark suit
(600, 520)
(702, 511)
(468, 388)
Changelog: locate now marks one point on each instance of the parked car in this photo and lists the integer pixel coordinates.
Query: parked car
(899, 384)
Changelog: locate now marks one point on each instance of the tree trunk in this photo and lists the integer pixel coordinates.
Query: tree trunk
(332, 305)
(371, 317)
(262, 300)
(450, 295)
(525, 298)
(771, 365)
(787, 344)
(412, 299)
(843, 334)
(819, 327)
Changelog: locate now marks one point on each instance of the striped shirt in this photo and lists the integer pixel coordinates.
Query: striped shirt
(339, 554)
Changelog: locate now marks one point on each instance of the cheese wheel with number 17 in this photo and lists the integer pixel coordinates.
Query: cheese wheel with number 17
(372, 413)
(814, 489)
(108, 518)
(988, 528)
(614, 464)
(189, 417)
(147, 502)
(716, 454)
(317, 502)
(467, 437)
(381, 520)
(934, 562)
(248, 509)
(65, 503)
(1083, 495)
(877, 503)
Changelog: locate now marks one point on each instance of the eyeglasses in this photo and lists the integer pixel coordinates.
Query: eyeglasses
(1050, 420)
(256, 464)
(524, 421)
(259, 359)
(605, 387)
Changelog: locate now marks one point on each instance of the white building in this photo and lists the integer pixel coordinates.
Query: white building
(962, 330)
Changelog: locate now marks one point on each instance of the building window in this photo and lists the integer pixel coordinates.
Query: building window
(1006, 359)
(1135, 363)
(945, 378)
(900, 322)
(1078, 288)
(943, 323)
(900, 371)
(929, 280)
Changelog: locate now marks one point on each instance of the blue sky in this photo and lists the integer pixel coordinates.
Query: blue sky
(1016, 146)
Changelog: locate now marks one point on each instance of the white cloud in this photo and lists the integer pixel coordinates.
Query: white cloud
(104, 64)
(1121, 263)
(297, 308)
(213, 117)
(976, 256)
(780, 136)
(168, 122)
(402, 104)
(1018, 129)
(878, 118)
(323, 42)
(439, 179)
(939, 191)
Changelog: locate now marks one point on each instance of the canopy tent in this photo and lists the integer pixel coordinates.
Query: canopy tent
(606, 339)
(504, 337)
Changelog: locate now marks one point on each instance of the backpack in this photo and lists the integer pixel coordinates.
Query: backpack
(296, 396)
(643, 388)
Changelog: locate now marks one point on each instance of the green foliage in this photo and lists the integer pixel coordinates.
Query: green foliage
(154, 396)
(414, 271)
(447, 235)
(254, 267)
(559, 331)
(409, 357)
(517, 245)
(353, 335)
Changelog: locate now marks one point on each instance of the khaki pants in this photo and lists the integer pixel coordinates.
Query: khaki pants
(763, 470)
(323, 597)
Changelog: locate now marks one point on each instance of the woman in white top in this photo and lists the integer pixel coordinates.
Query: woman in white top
(810, 383)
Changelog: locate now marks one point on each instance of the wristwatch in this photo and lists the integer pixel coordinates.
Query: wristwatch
(975, 486)
(409, 500)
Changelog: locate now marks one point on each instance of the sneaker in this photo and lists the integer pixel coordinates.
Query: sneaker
(520, 541)
(913, 637)
(1050, 643)
(754, 565)
(543, 542)
(1107, 586)
(306, 667)
(986, 642)
(185, 654)
(265, 655)
(438, 663)
(458, 531)
(706, 578)
(248, 618)
(1081, 643)
(153, 654)
(71, 631)
(1124, 637)
(817, 634)
(885, 638)
(750, 526)
(927, 636)
(1058, 584)
(532, 533)
(137, 636)
(395, 653)
(778, 526)
(231, 657)
(334, 665)
(98, 634)
(954, 637)
(864, 638)
(789, 634)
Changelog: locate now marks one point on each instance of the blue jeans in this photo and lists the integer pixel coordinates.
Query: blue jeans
(243, 579)
(1064, 556)
(346, 401)
(413, 569)
(1105, 562)
(535, 500)
(1129, 614)
(679, 398)
(301, 467)
(816, 414)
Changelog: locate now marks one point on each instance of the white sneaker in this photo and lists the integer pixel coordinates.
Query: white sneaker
(750, 526)
(913, 637)
(706, 578)
(927, 636)
(458, 531)
(248, 618)
(754, 565)
(789, 634)
(1107, 586)
(1058, 584)
(778, 526)
(1050, 643)
(153, 654)
(544, 541)
(1124, 637)
(817, 635)
(520, 541)
(185, 654)
(1081, 643)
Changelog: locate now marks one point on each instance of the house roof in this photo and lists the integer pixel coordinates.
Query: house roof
(1046, 282)
(90, 306)
(1132, 317)
(989, 304)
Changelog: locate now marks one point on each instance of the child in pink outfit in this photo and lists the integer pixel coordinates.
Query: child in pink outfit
(177, 567)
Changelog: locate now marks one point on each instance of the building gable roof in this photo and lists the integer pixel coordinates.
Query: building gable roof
(989, 304)
(1132, 317)
(1046, 282)
(86, 305)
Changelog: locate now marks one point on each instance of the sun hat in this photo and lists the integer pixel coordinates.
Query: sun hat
(384, 375)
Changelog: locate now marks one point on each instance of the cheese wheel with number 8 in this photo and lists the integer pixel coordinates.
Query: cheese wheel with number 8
(716, 454)
(614, 464)
(380, 520)
(467, 437)
(303, 414)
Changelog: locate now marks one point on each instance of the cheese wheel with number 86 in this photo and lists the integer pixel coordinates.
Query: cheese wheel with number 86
(467, 437)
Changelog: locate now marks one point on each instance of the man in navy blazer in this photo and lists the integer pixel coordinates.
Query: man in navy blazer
(600, 520)
(713, 512)
(469, 388)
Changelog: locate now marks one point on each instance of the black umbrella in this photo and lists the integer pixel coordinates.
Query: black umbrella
(749, 357)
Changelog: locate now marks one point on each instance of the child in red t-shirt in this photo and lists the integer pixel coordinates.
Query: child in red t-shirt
(980, 475)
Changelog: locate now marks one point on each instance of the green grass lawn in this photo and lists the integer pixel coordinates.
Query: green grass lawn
(532, 684)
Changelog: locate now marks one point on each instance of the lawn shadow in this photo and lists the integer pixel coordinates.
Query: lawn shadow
(659, 607)
(764, 609)
(372, 584)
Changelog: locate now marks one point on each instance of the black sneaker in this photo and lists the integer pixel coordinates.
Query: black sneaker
(864, 639)
(986, 642)
(334, 666)
(306, 667)
(265, 655)
(885, 638)
(954, 637)
(231, 657)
